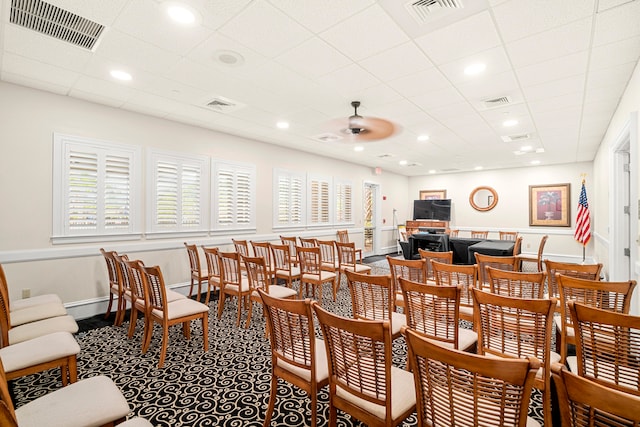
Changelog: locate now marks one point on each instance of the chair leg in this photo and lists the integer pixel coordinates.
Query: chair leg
(72, 367)
(314, 405)
(272, 400)
(221, 299)
(106, 315)
(165, 340)
(248, 322)
(191, 288)
(240, 303)
(148, 333)
(122, 305)
(132, 322)
(186, 330)
(205, 331)
(334, 287)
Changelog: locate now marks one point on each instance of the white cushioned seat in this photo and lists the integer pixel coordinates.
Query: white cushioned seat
(359, 268)
(322, 366)
(278, 292)
(38, 350)
(136, 422)
(174, 296)
(181, 308)
(35, 301)
(42, 327)
(36, 312)
(91, 402)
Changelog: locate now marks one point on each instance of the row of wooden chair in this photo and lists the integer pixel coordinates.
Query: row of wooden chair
(484, 234)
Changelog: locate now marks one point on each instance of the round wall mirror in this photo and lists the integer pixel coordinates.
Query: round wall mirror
(483, 198)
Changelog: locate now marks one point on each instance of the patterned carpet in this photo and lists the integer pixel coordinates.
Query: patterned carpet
(227, 386)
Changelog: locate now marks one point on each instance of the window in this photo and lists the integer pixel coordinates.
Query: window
(289, 199)
(319, 201)
(343, 194)
(96, 189)
(234, 196)
(177, 192)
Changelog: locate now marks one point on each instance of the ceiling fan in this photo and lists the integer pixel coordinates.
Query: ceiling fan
(358, 128)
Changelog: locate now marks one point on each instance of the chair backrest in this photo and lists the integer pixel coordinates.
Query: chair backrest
(432, 310)
(292, 336)
(310, 261)
(281, 257)
(585, 403)
(230, 271)
(517, 245)
(346, 254)
(372, 296)
(508, 235)
(342, 236)
(263, 249)
(456, 274)
(308, 242)
(5, 316)
(212, 255)
(472, 389)
(516, 283)
(157, 293)
(543, 241)
(514, 327)
(359, 354)
(607, 347)
(241, 246)
(508, 263)
(257, 273)
(292, 242)
(410, 269)
(7, 410)
(446, 257)
(194, 259)
(112, 269)
(583, 271)
(327, 251)
(125, 278)
(135, 278)
(476, 234)
(454, 233)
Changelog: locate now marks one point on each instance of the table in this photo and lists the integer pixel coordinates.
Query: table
(491, 247)
(430, 241)
(460, 248)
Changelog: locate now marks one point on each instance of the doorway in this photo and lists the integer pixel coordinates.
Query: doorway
(370, 219)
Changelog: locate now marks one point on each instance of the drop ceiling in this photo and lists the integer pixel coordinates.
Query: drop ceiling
(557, 67)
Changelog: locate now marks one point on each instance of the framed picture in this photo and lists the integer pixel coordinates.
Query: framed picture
(549, 205)
(433, 194)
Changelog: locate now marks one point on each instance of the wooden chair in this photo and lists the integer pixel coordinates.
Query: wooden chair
(610, 296)
(410, 269)
(585, 403)
(234, 283)
(263, 249)
(297, 356)
(311, 273)
(433, 311)
(582, 271)
(328, 258)
(476, 234)
(136, 293)
(241, 246)
(508, 235)
(212, 256)
(198, 275)
(454, 233)
(292, 242)
(115, 286)
(530, 264)
(516, 283)
(607, 347)
(507, 263)
(445, 257)
(260, 278)
(284, 268)
(515, 328)
(517, 248)
(465, 276)
(347, 260)
(470, 389)
(342, 236)
(308, 242)
(362, 380)
(166, 314)
(372, 299)
(95, 401)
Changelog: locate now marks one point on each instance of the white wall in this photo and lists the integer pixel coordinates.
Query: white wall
(77, 272)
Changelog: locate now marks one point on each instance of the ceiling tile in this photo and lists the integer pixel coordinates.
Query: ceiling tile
(324, 60)
(495, 59)
(615, 53)
(318, 16)
(554, 69)
(36, 70)
(420, 83)
(349, 80)
(554, 88)
(617, 23)
(385, 64)
(102, 12)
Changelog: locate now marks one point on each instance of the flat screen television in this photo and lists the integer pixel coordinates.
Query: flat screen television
(437, 209)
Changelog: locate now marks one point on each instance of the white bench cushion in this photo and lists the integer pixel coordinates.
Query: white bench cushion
(33, 301)
(36, 312)
(38, 350)
(42, 327)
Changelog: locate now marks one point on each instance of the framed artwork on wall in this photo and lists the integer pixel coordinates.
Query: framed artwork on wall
(549, 205)
(433, 194)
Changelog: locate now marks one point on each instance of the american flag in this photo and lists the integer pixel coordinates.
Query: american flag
(583, 220)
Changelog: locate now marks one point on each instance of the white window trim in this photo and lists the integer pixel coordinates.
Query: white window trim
(336, 183)
(60, 232)
(277, 174)
(202, 162)
(311, 179)
(236, 168)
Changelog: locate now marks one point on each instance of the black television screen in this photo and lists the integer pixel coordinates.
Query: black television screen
(438, 209)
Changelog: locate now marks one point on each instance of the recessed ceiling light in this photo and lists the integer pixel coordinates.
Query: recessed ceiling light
(509, 123)
(473, 69)
(423, 138)
(526, 148)
(358, 148)
(432, 171)
(181, 14)
(535, 162)
(403, 162)
(282, 125)
(230, 58)
(478, 168)
(121, 75)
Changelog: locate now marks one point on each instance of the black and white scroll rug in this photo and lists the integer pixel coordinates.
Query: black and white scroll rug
(227, 386)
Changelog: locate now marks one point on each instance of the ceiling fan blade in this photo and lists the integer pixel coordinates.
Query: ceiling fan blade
(375, 129)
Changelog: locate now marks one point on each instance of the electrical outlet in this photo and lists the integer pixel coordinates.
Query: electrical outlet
(26, 293)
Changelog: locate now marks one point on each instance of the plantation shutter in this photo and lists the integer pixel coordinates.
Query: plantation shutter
(343, 203)
(288, 199)
(234, 206)
(319, 201)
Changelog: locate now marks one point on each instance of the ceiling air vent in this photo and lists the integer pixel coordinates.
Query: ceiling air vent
(55, 22)
(221, 104)
(424, 10)
(327, 137)
(515, 138)
(385, 156)
(496, 102)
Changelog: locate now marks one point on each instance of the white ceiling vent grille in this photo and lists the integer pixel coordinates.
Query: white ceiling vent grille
(221, 104)
(55, 22)
(500, 101)
(516, 138)
(327, 137)
(425, 10)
